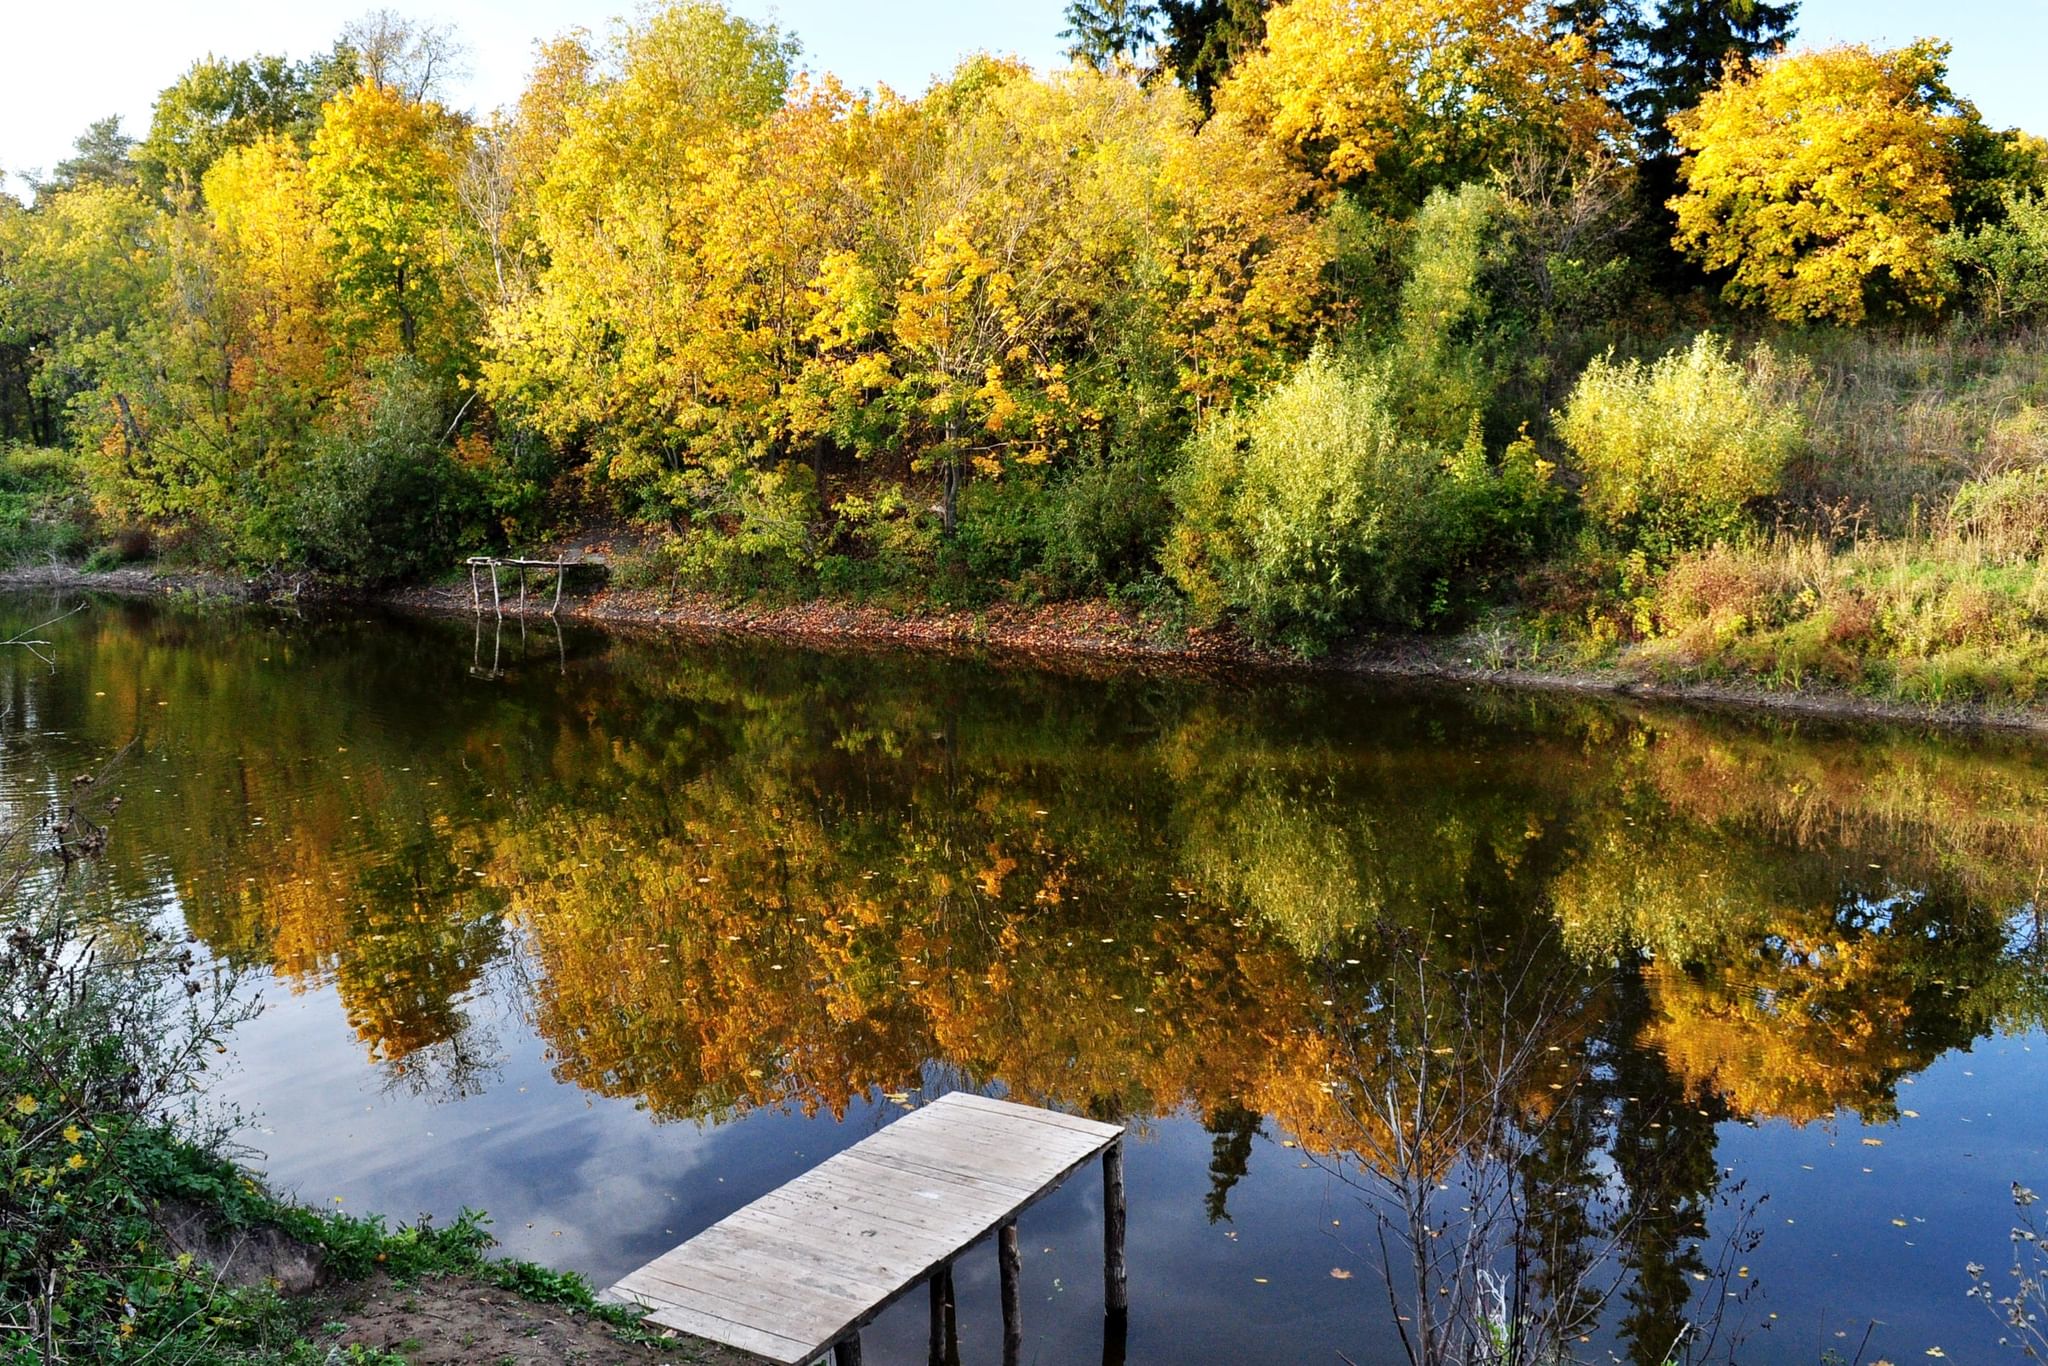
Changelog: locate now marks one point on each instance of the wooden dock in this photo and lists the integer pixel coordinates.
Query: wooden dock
(801, 1270)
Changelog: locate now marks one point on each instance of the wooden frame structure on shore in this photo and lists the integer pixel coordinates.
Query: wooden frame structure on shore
(560, 566)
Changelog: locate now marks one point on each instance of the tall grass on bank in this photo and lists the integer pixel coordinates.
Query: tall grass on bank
(1936, 619)
(1898, 421)
(44, 514)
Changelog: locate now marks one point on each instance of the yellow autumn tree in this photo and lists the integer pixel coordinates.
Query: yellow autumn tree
(1240, 253)
(274, 247)
(1410, 94)
(383, 170)
(617, 347)
(1821, 181)
(1076, 231)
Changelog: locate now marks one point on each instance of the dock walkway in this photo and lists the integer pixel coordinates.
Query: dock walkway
(798, 1272)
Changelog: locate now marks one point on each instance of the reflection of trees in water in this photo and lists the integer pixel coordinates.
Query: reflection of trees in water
(1232, 1129)
(1497, 1139)
(753, 878)
(462, 1065)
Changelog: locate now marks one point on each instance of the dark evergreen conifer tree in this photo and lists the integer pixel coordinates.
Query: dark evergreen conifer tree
(1682, 49)
(1205, 38)
(1103, 32)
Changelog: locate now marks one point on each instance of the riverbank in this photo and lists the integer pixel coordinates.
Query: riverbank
(1071, 633)
(347, 1290)
(132, 1232)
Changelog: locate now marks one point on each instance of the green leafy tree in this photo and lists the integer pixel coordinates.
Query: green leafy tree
(83, 271)
(19, 415)
(2005, 263)
(102, 155)
(218, 105)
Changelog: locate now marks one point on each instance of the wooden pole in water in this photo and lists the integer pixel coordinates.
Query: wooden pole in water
(1116, 1288)
(522, 592)
(846, 1351)
(561, 572)
(943, 1348)
(476, 592)
(1012, 1257)
(497, 605)
(952, 1323)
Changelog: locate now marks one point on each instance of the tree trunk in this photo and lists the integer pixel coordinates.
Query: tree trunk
(131, 432)
(949, 497)
(408, 329)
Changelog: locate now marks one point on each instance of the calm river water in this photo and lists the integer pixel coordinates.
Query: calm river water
(608, 936)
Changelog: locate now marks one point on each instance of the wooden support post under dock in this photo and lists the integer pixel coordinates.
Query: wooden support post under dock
(1116, 1287)
(1012, 1257)
(943, 1348)
(942, 1295)
(804, 1268)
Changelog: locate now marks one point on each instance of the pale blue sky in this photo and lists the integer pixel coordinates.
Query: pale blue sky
(64, 65)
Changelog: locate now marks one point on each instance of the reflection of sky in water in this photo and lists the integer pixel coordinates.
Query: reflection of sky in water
(579, 1181)
(349, 804)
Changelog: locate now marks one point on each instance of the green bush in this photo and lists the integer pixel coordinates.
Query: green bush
(1486, 519)
(1002, 532)
(1304, 513)
(109, 1028)
(1086, 530)
(379, 499)
(751, 531)
(44, 513)
(1447, 312)
(1104, 526)
(884, 542)
(2005, 262)
(1674, 453)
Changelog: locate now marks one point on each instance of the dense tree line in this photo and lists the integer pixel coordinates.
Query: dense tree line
(1259, 311)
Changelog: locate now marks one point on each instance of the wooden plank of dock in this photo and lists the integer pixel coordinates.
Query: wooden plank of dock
(800, 1270)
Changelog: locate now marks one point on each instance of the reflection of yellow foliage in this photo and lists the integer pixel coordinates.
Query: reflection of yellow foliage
(1798, 1044)
(725, 906)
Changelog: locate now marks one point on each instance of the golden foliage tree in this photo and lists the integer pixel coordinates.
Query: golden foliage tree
(383, 168)
(1821, 181)
(617, 346)
(1407, 94)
